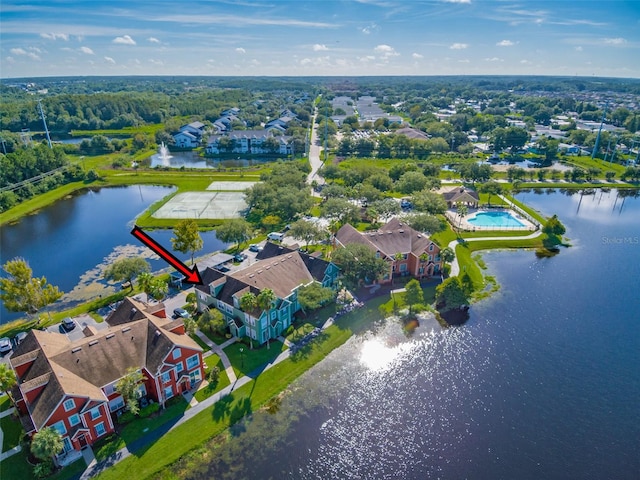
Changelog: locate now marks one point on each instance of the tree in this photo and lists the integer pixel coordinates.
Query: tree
(248, 302)
(430, 202)
(155, 287)
(20, 292)
(190, 326)
(46, 443)
(554, 227)
(236, 230)
(413, 293)
(187, 237)
(305, 230)
(314, 296)
(386, 207)
(265, 299)
(213, 321)
(491, 188)
(451, 295)
(447, 254)
(424, 222)
(340, 209)
(359, 263)
(127, 269)
(128, 386)
(461, 210)
(8, 380)
(214, 375)
(411, 182)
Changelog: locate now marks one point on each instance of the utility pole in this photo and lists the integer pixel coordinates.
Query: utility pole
(44, 122)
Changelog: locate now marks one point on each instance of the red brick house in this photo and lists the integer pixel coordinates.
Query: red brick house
(71, 385)
(407, 251)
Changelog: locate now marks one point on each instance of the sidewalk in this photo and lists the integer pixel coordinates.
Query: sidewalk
(95, 468)
(15, 449)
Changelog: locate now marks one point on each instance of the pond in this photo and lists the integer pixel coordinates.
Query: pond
(71, 241)
(190, 159)
(541, 382)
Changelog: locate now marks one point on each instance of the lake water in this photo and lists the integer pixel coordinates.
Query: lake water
(191, 159)
(72, 241)
(541, 383)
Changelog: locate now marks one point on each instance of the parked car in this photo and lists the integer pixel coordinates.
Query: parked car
(19, 338)
(223, 269)
(277, 236)
(5, 345)
(180, 313)
(239, 257)
(68, 324)
(255, 248)
(406, 204)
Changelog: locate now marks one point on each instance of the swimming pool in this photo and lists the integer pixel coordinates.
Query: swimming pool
(494, 220)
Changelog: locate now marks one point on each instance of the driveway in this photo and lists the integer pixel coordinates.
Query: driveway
(81, 322)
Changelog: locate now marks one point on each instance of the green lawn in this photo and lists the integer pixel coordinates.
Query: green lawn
(199, 341)
(140, 427)
(204, 393)
(5, 403)
(214, 337)
(300, 332)
(12, 430)
(247, 361)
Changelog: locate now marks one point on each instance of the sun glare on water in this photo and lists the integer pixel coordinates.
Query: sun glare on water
(377, 356)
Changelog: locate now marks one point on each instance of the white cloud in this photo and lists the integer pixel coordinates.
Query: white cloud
(457, 1)
(493, 59)
(524, 62)
(241, 50)
(31, 54)
(124, 40)
(367, 58)
(369, 28)
(320, 47)
(458, 46)
(305, 61)
(505, 43)
(385, 51)
(110, 60)
(614, 41)
(159, 63)
(417, 55)
(153, 40)
(578, 48)
(87, 50)
(55, 36)
(464, 60)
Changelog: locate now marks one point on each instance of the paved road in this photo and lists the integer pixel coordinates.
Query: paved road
(314, 155)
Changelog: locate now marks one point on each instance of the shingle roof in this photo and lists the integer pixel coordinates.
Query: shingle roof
(460, 194)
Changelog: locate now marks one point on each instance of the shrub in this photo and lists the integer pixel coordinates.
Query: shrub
(43, 470)
(126, 417)
(289, 330)
(214, 375)
(149, 410)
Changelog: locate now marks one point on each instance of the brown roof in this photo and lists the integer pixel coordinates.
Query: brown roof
(461, 194)
(82, 367)
(393, 237)
(282, 274)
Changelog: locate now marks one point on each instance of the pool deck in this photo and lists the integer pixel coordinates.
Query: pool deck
(463, 224)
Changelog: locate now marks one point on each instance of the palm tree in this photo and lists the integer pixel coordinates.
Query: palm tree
(248, 302)
(46, 443)
(128, 385)
(265, 299)
(447, 255)
(8, 380)
(461, 210)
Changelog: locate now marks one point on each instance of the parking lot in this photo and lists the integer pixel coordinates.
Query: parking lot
(80, 322)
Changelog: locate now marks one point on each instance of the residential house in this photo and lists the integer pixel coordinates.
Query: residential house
(461, 195)
(251, 142)
(407, 251)
(196, 128)
(186, 139)
(278, 268)
(71, 385)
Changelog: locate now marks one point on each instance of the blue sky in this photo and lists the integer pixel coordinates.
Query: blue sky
(323, 37)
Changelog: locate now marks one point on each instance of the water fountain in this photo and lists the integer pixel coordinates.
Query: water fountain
(163, 153)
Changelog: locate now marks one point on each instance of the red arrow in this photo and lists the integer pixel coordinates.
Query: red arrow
(191, 275)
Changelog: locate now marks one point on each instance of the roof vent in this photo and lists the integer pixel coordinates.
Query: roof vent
(158, 333)
(267, 267)
(133, 312)
(259, 272)
(76, 350)
(126, 329)
(251, 275)
(93, 342)
(111, 335)
(401, 231)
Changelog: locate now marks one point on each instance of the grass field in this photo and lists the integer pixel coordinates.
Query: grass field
(12, 430)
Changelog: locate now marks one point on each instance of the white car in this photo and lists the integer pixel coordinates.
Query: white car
(5, 345)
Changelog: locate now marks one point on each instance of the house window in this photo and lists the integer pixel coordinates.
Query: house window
(100, 429)
(74, 420)
(176, 353)
(59, 427)
(193, 362)
(69, 405)
(168, 392)
(67, 444)
(431, 247)
(166, 377)
(273, 315)
(142, 391)
(95, 413)
(110, 389)
(179, 368)
(116, 404)
(403, 267)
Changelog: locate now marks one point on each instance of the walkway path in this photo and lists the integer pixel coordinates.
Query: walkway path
(314, 157)
(218, 350)
(95, 468)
